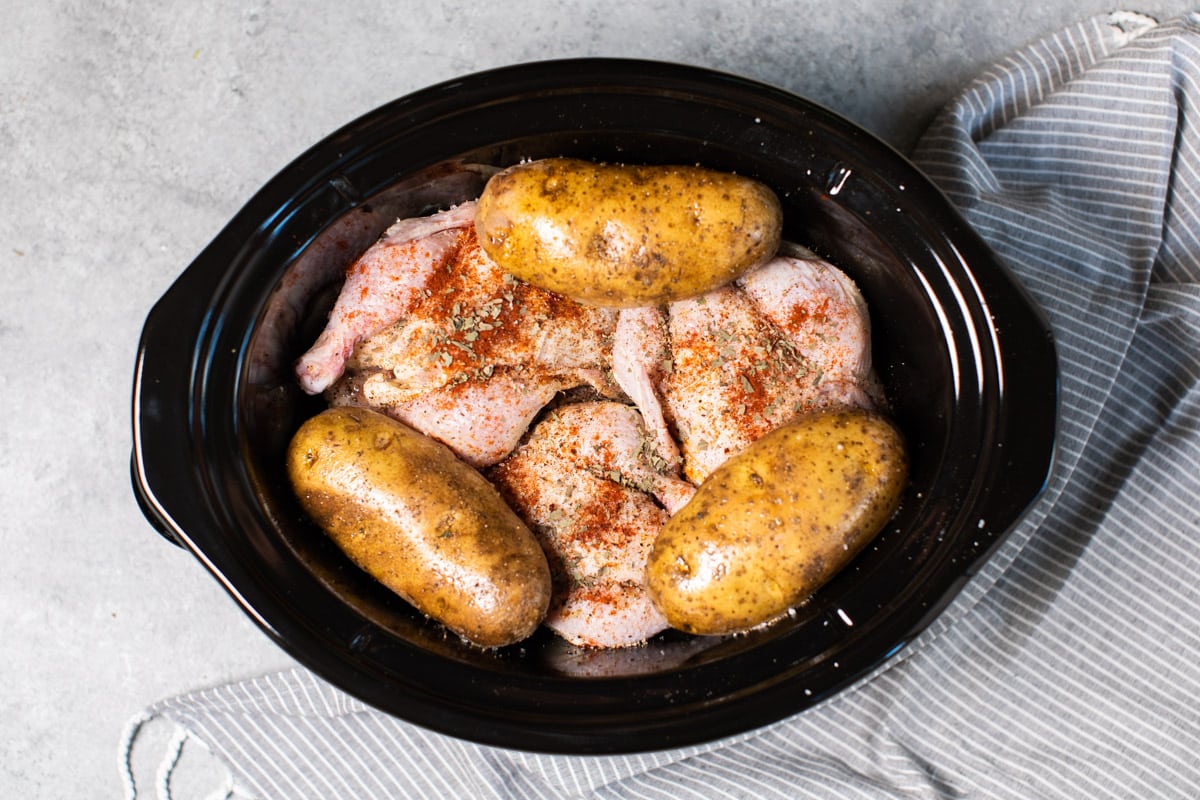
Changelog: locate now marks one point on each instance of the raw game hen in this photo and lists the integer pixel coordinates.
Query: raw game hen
(430, 331)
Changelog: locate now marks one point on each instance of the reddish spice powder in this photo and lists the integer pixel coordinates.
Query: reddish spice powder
(802, 316)
(597, 522)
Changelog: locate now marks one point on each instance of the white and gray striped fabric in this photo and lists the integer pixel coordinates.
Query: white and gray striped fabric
(1070, 666)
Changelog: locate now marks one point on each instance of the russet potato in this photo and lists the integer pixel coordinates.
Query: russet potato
(776, 521)
(406, 510)
(625, 235)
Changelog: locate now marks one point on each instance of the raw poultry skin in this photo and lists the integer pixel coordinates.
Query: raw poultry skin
(382, 285)
(825, 318)
(430, 331)
(482, 421)
(789, 337)
(586, 483)
(641, 358)
(474, 318)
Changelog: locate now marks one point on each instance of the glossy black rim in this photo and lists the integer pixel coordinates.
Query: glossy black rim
(200, 413)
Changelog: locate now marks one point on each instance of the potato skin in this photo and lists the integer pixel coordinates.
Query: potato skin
(422, 522)
(772, 524)
(624, 235)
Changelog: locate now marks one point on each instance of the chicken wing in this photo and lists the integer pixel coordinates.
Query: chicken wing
(641, 358)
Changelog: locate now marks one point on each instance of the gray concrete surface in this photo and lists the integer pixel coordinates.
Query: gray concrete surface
(131, 131)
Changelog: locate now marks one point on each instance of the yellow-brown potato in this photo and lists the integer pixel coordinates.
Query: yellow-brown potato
(422, 522)
(776, 521)
(621, 235)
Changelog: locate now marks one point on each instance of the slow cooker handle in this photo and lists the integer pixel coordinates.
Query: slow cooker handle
(163, 464)
(146, 505)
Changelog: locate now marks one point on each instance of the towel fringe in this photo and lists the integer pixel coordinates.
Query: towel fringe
(166, 768)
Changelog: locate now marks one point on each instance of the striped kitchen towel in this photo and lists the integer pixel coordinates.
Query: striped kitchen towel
(1070, 666)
